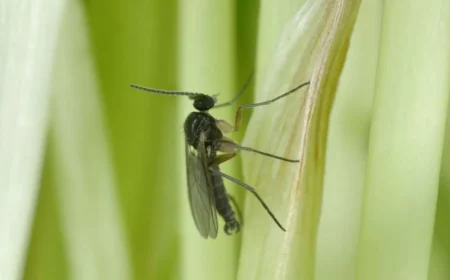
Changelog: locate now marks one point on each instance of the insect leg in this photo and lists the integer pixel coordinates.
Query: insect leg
(226, 145)
(222, 158)
(224, 126)
(250, 189)
(238, 117)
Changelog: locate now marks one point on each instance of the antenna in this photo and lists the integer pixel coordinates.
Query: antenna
(166, 92)
(240, 92)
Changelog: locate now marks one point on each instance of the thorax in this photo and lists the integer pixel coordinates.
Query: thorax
(201, 122)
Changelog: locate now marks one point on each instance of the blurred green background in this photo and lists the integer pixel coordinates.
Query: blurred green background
(112, 201)
(140, 42)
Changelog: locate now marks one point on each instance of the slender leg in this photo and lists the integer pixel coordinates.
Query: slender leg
(238, 117)
(228, 146)
(252, 190)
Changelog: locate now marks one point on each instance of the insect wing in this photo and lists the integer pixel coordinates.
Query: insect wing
(200, 189)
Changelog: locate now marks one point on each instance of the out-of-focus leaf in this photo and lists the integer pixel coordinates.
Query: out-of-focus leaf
(406, 141)
(28, 36)
(136, 42)
(82, 172)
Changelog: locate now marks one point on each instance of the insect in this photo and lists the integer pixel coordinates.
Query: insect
(206, 148)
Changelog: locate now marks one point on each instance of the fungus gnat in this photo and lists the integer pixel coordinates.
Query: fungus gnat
(204, 139)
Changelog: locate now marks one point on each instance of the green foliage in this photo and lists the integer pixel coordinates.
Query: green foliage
(369, 199)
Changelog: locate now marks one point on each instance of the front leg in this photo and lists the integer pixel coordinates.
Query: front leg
(238, 117)
(224, 126)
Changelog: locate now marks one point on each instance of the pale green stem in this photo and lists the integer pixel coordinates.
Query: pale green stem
(312, 48)
(347, 150)
(273, 16)
(406, 140)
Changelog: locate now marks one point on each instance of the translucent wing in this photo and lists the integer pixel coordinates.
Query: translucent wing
(200, 189)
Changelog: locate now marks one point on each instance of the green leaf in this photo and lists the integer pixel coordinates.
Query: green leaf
(82, 173)
(406, 141)
(347, 146)
(313, 47)
(29, 32)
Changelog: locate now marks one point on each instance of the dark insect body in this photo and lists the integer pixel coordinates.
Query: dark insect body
(221, 199)
(205, 138)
